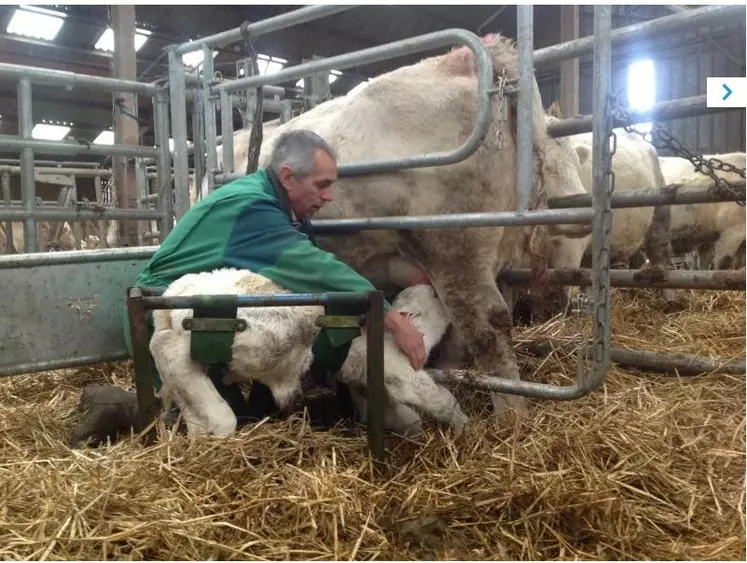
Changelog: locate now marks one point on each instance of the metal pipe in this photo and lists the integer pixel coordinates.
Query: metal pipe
(375, 389)
(455, 220)
(179, 132)
(5, 178)
(69, 80)
(208, 103)
(664, 111)
(198, 137)
(16, 161)
(678, 363)
(28, 184)
(192, 79)
(398, 48)
(70, 214)
(17, 261)
(71, 149)
(80, 172)
(283, 21)
(350, 298)
(525, 105)
(600, 201)
(673, 194)
(720, 280)
(226, 129)
(654, 28)
(165, 189)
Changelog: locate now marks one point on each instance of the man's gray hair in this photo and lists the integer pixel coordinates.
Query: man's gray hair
(295, 149)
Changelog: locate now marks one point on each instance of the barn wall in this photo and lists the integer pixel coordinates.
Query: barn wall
(682, 64)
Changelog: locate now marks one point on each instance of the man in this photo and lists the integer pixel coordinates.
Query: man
(261, 222)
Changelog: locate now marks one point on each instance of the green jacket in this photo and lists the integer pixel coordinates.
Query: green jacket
(248, 224)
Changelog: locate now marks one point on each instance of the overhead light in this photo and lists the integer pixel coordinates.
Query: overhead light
(49, 132)
(104, 138)
(31, 21)
(106, 41)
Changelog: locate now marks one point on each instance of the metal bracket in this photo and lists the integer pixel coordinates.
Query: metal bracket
(340, 321)
(205, 324)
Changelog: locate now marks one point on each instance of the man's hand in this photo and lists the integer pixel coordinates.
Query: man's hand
(408, 338)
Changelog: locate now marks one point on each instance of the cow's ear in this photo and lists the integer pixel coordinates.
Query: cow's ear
(583, 153)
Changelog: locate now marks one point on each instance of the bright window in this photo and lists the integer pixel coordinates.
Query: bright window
(642, 89)
(332, 77)
(104, 138)
(49, 132)
(106, 41)
(32, 21)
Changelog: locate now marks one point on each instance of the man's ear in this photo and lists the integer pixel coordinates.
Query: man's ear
(285, 175)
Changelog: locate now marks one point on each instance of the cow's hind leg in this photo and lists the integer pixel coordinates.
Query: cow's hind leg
(203, 409)
(398, 418)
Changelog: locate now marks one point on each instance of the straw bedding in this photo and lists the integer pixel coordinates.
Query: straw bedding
(646, 467)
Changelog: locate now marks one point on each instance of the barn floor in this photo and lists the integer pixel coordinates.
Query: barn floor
(648, 467)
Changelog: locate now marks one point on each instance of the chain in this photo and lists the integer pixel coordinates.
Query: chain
(662, 140)
(601, 311)
(499, 91)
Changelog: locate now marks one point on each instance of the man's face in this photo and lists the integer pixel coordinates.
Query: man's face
(308, 194)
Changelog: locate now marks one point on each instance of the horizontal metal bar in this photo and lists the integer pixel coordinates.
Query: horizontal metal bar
(654, 28)
(63, 78)
(15, 261)
(678, 363)
(279, 300)
(150, 197)
(35, 367)
(282, 21)
(664, 111)
(673, 194)
(722, 280)
(72, 214)
(193, 79)
(456, 220)
(8, 142)
(79, 172)
(514, 387)
(54, 163)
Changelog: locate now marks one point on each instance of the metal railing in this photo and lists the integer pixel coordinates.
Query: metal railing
(29, 147)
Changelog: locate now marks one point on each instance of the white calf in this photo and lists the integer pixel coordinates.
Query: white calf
(406, 388)
(274, 349)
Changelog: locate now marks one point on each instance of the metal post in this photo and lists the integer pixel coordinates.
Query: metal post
(146, 399)
(286, 112)
(208, 102)
(602, 218)
(165, 190)
(179, 132)
(569, 69)
(100, 201)
(198, 136)
(9, 248)
(525, 24)
(375, 374)
(28, 185)
(143, 190)
(226, 131)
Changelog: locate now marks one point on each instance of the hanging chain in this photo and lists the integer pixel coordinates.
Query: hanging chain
(662, 140)
(601, 310)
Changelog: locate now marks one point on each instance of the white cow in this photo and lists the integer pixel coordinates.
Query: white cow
(715, 230)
